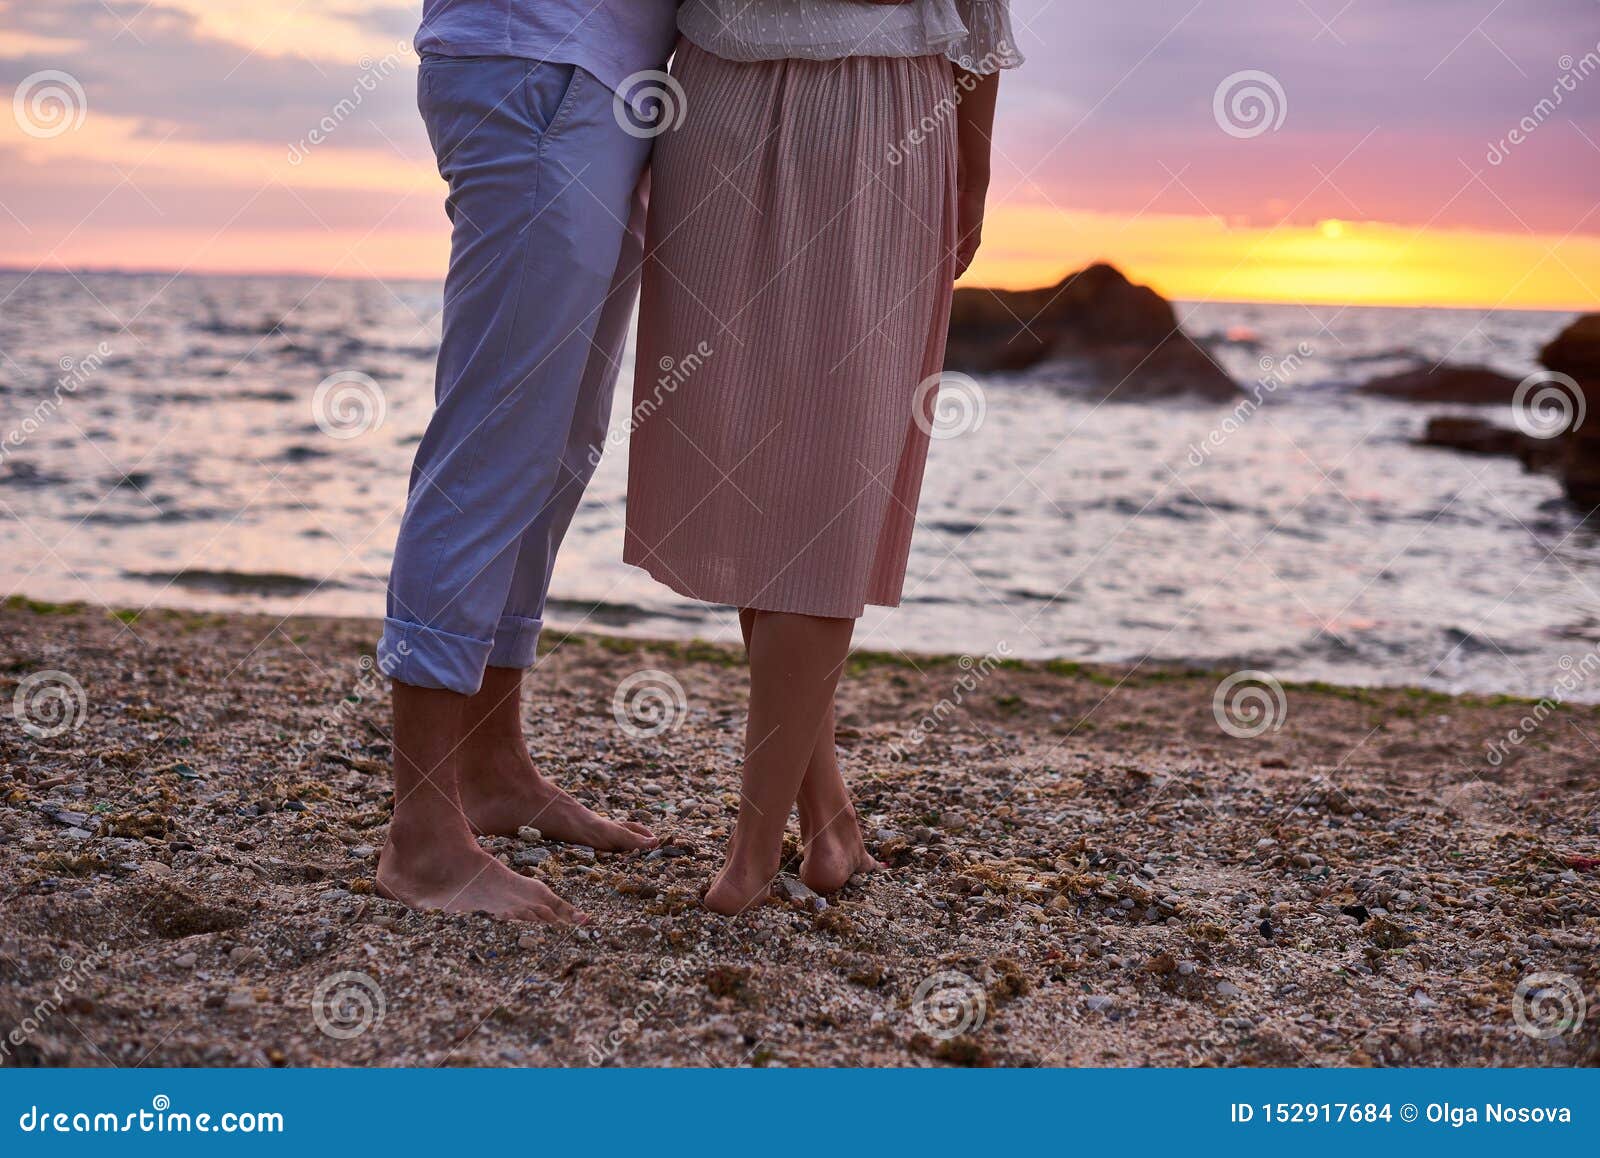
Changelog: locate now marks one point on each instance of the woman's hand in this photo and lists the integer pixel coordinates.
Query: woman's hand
(975, 99)
(970, 194)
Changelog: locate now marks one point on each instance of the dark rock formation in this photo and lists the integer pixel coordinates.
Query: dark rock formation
(1125, 338)
(1472, 435)
(1575, 352)
(1572, 451)
(1472, 384)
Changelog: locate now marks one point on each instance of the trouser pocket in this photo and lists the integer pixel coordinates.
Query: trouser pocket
(470, 103)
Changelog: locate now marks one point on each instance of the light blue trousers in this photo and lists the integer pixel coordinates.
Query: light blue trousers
(546, 202)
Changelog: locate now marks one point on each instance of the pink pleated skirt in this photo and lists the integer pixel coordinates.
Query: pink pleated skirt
(795, 295)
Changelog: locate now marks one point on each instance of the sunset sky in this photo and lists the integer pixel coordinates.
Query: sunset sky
(194, 149)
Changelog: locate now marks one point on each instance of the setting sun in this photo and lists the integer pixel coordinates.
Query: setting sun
(1342, 262)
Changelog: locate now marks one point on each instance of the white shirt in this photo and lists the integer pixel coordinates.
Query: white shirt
(610, 39)
(975, 34)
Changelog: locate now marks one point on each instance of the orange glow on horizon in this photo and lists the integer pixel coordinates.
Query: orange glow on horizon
(1184, 257)
(1188, 257)
(1338, 262)
(144, 195)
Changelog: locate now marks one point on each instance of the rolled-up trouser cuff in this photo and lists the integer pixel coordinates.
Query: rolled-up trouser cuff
(429, 658)
(516, 641)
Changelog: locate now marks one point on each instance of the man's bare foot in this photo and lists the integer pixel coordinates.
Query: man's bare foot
(468, 880)
(834, 852)
(430, 859)
(501, 791)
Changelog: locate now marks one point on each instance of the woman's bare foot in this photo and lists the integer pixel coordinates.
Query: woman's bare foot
(834, 851)
(795, 662)
(468, 880)
(739, 886)
(501, 791)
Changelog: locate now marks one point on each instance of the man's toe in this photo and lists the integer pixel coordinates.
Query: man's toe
(642, 832)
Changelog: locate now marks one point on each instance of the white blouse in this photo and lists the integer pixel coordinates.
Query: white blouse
(975, 34)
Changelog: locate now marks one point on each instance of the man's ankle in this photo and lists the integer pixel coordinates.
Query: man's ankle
(494, 736)
(418, 833)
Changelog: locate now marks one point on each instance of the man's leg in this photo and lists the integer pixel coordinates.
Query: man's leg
(430, 859)
(538, 219)
(539, 174)
(501, 789)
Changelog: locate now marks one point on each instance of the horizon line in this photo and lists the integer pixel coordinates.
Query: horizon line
(159, 271)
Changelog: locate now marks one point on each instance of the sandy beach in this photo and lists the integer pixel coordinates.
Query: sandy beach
(1086, 869)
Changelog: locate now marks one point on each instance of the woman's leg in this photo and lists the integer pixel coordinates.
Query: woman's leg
(830, 833)
(795, 662)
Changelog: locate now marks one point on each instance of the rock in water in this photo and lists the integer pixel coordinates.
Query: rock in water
(1477, 385)
(1576, 349)
(1125, 336)
(1472, 435)
(1575, 352)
